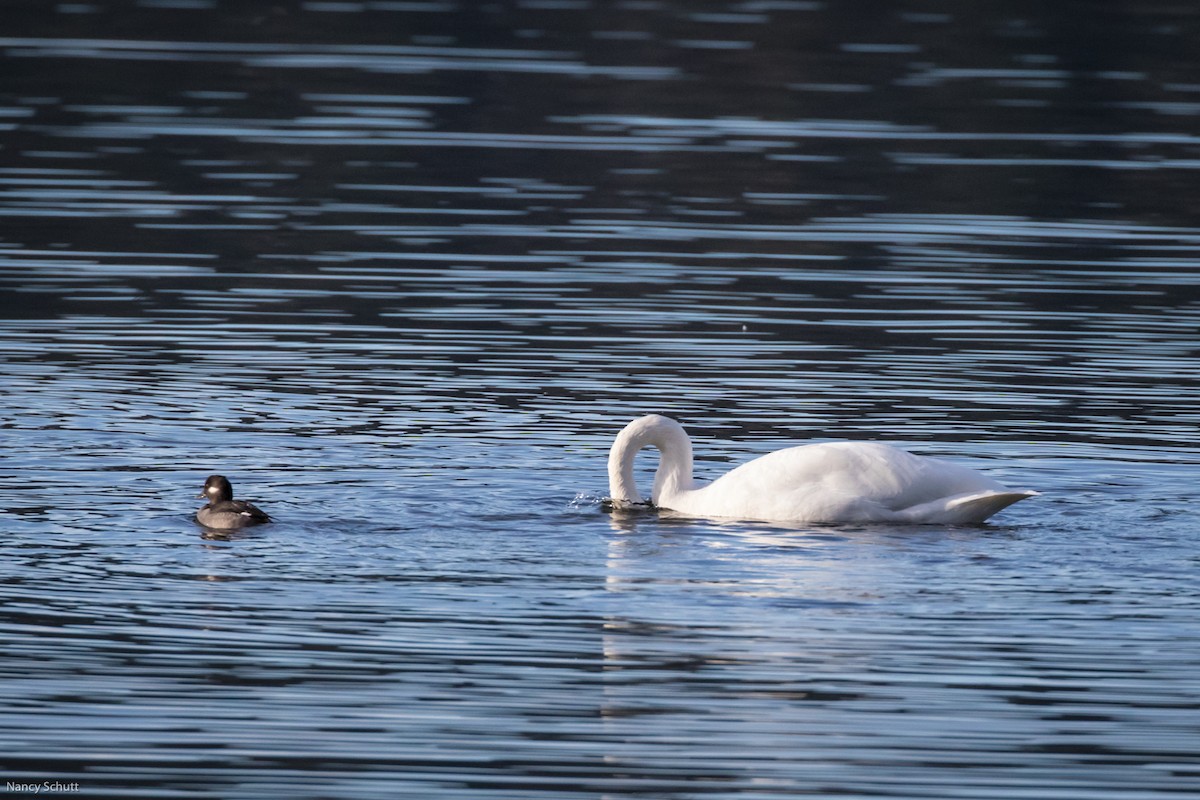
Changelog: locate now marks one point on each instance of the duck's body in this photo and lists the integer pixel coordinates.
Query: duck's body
(223, 512)
(830, 483)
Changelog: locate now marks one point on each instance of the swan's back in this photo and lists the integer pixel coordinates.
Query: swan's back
(842, 481)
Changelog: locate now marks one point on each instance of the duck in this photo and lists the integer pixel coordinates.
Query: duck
(822, 483)
(222, 512)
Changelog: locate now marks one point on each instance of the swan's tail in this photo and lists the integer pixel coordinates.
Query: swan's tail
(965, 509)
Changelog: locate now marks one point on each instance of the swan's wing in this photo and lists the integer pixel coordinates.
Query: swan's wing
(818, 482)
(794, 467)
(845, 481)
(964, 509)
(894, 478)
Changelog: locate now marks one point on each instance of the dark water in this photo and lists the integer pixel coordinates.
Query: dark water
(402, 269)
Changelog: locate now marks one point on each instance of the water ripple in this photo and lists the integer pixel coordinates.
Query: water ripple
(402, 269)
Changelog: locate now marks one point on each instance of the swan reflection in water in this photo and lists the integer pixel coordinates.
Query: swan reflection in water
(834, 482)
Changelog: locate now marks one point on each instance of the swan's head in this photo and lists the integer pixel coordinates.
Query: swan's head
(675, 458)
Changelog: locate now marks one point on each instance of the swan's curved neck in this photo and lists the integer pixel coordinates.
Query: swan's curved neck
(675, 458)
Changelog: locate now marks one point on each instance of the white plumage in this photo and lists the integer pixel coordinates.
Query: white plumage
(831, 482)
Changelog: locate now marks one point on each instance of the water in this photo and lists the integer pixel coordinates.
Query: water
(401, 270)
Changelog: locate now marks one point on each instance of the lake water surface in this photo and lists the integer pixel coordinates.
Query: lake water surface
(401, 270)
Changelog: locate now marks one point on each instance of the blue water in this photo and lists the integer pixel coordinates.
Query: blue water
(402, 271)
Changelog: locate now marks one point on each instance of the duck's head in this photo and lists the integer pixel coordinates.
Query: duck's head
(217, 489)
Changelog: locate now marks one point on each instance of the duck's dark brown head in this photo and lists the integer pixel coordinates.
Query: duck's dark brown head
(217, 489)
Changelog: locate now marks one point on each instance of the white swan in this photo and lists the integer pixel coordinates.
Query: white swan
(835, 482)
